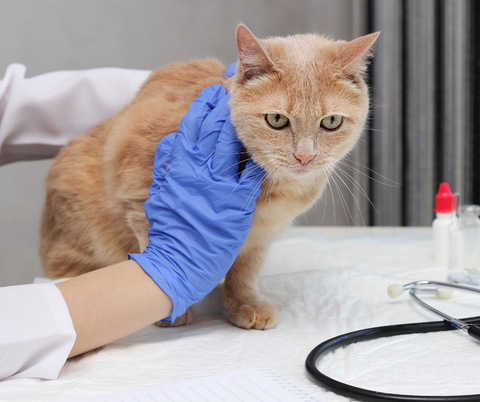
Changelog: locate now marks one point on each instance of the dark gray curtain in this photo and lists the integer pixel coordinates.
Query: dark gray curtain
(423, 125)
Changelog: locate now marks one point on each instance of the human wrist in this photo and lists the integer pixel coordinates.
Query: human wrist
(154, 266)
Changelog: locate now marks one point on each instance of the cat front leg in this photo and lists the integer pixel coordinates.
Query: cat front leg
(184, 319)
(241, 299)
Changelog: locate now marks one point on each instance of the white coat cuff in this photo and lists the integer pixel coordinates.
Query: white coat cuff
(37, 333)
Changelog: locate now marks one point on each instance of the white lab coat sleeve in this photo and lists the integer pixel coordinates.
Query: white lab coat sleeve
(39, 115)
(36, 331)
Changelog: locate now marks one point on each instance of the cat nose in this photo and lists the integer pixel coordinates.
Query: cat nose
(304, 158)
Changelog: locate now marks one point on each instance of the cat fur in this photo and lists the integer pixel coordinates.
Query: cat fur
(94, 216)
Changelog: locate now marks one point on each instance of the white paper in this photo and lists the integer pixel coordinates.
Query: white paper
(248, 385)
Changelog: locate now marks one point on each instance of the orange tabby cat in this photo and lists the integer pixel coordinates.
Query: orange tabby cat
(299, 105)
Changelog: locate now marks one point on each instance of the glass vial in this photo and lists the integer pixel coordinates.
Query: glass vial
(455, 246)
(470, 223)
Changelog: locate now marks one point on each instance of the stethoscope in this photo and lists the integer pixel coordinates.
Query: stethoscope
(469, 325)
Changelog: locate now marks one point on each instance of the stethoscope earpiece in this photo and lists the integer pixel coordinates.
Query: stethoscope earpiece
(395, 291)
(443, 290)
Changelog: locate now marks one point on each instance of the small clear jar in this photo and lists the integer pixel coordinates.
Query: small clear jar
(455, 246)
(470, 223)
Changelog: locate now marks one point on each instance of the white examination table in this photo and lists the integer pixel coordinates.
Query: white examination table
(324, 282)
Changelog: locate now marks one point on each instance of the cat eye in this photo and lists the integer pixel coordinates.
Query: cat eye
(277, 120)
(332, 122)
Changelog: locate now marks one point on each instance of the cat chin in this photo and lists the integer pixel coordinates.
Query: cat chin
(302, 171)
(299, 173)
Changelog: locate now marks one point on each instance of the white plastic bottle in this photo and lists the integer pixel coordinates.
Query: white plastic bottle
(456, 246)
(445, 203)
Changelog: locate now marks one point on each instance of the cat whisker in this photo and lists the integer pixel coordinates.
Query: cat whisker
(273, 181)
(245, 173)
(393, 183)
(249, 199)
(343, 202)
(268, 173)
(230, 153)
(376, 130)
(328, 178)
(230, 167)
(324, 208)
(316, 206)
(226, 178)
(353, 196)
(356, 185)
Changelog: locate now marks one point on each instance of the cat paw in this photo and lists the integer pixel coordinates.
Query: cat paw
(184, 319)
(260, 315)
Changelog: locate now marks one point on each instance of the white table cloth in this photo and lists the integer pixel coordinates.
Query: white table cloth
(323, 282)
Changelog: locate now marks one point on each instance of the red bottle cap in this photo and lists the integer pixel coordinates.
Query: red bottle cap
(445, 201)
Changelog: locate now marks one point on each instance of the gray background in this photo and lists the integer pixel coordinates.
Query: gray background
(50, 35)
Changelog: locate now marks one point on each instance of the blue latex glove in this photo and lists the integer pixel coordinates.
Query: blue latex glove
(200, 210)
(230, 70)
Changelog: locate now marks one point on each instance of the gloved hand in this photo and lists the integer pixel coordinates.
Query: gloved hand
(200, 210)
(230, 71)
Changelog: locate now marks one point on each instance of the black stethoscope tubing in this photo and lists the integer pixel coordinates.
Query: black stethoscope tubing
(366, 395)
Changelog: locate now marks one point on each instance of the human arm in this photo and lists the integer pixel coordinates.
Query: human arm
(200, 211)
(112, 302)
(41, 325)
(41, 114)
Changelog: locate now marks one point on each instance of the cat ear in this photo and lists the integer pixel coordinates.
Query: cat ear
(355, 54)
(254, 60)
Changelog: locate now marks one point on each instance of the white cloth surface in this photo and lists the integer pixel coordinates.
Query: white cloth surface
(37, 332)
(41, 114)
(324, 283)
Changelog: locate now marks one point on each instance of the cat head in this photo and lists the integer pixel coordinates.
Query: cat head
(299, 103)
